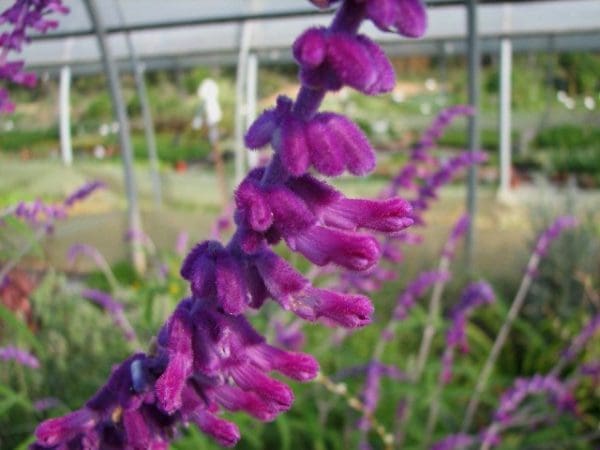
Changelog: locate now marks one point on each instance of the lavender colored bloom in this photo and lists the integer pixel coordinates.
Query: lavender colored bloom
(21, 357)
(84, 249)
(553, 232)
(419, 151)
(416, 289)
(458, 231)
(83, 192)
(113, 308)
(442, 176)
(454, 442)
(22, 16)
(582, 338)
(475, 294)
(557, 392)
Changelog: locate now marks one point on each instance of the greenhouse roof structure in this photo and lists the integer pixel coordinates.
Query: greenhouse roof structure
(190, 32)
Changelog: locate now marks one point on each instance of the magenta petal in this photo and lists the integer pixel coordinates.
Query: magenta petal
(226, 434)
(62, 429)
(310, 49)
(325, 155)
(170, 384)
(234, 399)
(412, 21)
(350, 311)
(388, 216)
(280, 278)
(293, 147)
(298, 366)
(250, 378)
(137, 430)
(351, 250)
(358, 153)
(383, 13)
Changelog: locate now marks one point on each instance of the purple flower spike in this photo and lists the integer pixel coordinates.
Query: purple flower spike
(406, 17)
(415, 289)
(83, 192)
(551, 234)
(582, 338)
(475, 294)
(20, 356)
(387, 216)
(557, 392)
(208, 358)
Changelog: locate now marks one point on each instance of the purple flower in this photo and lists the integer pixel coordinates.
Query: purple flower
(83, 192)
(459, 230)
(582, 338)
(557, 392)
(553, 232)
(454, 442)
(475, 294)
(428, 190)
(19, 356)
(416, 289)
(208, 357)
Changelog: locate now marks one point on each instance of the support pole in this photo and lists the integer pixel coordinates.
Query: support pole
(114, 84)
(505, 116)
(251, 94)
(473, 127)
(64, 108)
(140, 86)
(240, 110)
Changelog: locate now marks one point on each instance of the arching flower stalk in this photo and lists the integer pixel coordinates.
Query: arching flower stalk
(207, 357)
(474, 295)
(546, 238)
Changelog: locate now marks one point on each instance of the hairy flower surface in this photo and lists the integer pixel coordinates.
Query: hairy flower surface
(208, 357)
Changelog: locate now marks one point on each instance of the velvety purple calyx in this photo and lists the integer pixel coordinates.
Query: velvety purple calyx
(329, 60)
(406, 17)
(328, 141)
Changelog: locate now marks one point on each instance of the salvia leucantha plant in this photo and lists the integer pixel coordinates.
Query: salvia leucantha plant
(207, 357)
